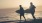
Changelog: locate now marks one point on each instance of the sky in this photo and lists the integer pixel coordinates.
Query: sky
(16, 3)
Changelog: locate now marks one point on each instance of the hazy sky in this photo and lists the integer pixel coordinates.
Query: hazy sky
(16, 3)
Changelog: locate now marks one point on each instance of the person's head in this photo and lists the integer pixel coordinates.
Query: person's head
(20, 5)
(31, 3)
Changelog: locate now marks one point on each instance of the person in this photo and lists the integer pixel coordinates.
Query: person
(32, 9)
(21, 12)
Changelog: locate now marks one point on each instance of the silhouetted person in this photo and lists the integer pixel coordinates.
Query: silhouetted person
(21, 12)
(32, 9)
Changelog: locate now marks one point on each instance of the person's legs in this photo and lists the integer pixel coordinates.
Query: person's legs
(24, 18)
(20, 17)
(33, 16)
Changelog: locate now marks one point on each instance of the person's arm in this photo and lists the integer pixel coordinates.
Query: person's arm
(34, 7)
